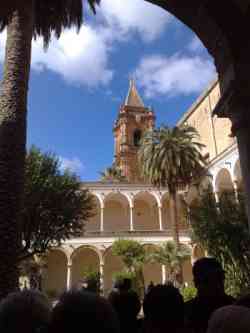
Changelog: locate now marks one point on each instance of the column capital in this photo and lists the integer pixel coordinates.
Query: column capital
(234, 104)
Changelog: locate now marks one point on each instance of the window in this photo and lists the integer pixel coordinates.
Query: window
(137, 137)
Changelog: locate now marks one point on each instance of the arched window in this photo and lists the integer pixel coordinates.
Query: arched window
(137, 137)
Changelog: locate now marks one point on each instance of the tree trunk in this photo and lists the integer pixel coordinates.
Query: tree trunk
(13, 113)
(176, 233)
(173, 204)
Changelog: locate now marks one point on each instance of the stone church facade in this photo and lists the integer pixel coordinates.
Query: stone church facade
(139, 211)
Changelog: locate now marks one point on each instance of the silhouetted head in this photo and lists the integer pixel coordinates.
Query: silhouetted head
(208, 277)
(230, 319)
(26, 311)
(126, 304)
(123, 284)
(78, 309)
(243, 301)
(164, 306)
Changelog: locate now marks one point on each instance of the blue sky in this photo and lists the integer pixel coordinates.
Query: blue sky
(77, 86)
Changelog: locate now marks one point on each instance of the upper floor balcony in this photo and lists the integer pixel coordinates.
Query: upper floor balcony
(125, 210)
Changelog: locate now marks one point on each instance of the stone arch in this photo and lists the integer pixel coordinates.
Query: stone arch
(55, 276)
(223, 181)
(152, 271)
(112, 264)
(146, 214)
(93, 224)
(84, 258)
(116, 212)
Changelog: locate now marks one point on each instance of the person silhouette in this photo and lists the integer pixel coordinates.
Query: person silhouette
(163, 308)
(127, 305)
(209, 280)
(150, 286)
(26, 311)
(81, 309)
(230, 319)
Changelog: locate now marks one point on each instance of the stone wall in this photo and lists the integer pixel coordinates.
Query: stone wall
(215, 133)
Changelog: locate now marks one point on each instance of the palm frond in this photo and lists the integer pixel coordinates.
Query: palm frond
(172, 156)
(51, 17)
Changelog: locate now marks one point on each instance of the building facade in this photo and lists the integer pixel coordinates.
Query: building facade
(139, 211)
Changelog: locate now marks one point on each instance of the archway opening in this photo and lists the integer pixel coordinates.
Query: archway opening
(93, 224)
(187, 271)
(116, 213)
(152, 271)
(146, 216)
(112, 266)
(223, 182)
(137, 137)
(55, 276)
(197, 252)
(84, 260)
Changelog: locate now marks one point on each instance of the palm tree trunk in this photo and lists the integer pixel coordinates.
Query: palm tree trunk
(13, 111)
(173, 205)
(176, 233)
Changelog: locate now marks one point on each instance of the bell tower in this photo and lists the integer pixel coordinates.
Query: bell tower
(133, 120)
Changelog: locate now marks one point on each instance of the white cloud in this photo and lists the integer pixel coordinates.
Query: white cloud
(196, 45)
(79, 58)
(73, 165)
(83, 58)
(176, 75)
(126, 16)
(2, 45)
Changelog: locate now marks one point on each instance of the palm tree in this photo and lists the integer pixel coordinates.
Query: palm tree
(24, 20)
(172, 157)
(112, 174)
(171, 256)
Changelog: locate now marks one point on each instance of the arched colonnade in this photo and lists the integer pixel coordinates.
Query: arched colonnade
(228, 178)
(119, 209)
(65, 270)
(225, 177)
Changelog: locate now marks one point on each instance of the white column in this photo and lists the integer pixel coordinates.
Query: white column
(69, 271)
(102, 276)
(102, 219)
(235, 185)
(163, 274)
(160, 217)
(217, 199)
(131, 218)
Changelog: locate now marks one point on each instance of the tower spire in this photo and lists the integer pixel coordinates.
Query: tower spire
(133, 97)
